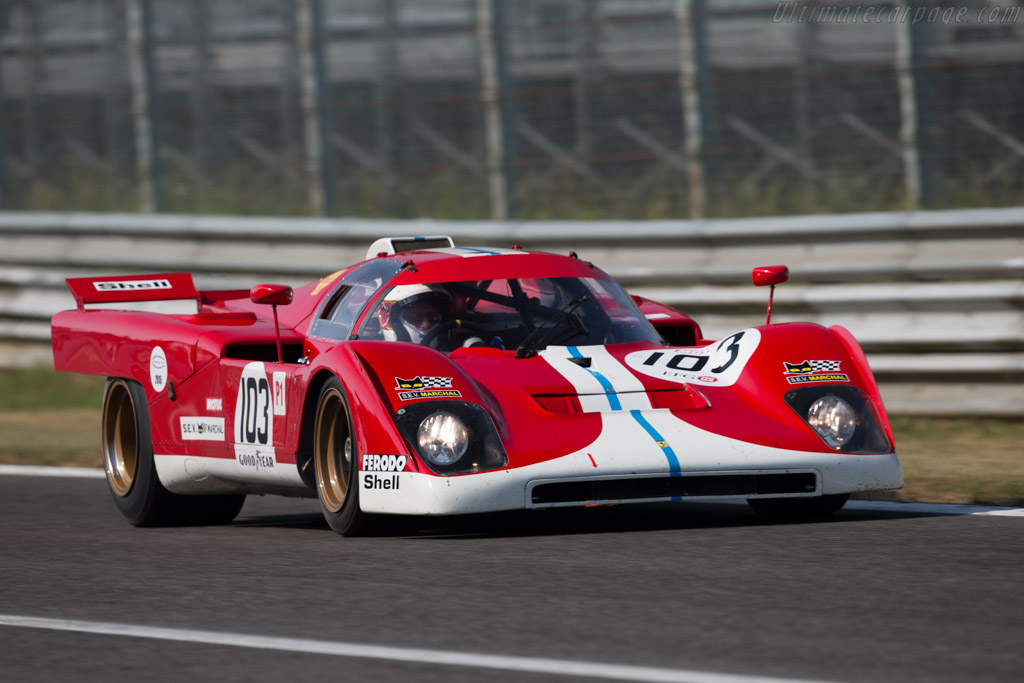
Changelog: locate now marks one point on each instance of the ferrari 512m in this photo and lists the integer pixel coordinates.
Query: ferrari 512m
(432, 379)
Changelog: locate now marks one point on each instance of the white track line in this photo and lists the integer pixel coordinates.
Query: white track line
(868, 505)
(934, 508)
(40, 471)
(560, 667)
(918, 508)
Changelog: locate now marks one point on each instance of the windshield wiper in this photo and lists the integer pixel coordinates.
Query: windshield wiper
(534, 339)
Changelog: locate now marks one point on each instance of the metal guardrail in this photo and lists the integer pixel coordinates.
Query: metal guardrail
(936, 298)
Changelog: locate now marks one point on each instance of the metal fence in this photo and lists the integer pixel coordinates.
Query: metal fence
(533, 109)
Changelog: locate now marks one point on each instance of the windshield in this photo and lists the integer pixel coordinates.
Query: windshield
(506, 313)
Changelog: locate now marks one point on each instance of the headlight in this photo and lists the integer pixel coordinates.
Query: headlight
(833, 419)
(842, 416)
(442, 438)
(452, 437)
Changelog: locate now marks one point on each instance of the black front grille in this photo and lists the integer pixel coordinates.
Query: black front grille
(653, 488)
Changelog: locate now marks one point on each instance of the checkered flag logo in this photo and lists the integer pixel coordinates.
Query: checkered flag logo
(825, 365)
(441, 382)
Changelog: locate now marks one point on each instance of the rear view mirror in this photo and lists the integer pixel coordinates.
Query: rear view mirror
(273, 295)
(770, 275)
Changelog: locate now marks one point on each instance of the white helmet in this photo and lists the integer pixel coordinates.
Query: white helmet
(393, 310)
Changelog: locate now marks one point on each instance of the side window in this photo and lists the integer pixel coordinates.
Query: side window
(345, 304)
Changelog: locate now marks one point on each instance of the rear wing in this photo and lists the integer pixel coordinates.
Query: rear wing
(132, 288)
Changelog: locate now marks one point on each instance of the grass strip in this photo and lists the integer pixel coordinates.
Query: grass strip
(53, 418)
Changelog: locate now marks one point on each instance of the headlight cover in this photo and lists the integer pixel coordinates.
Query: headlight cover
(842, 416)
(452, 437)
(442, 438)
(833, 419)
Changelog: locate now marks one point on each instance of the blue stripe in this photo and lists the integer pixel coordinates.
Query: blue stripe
(673, 461)
(480, 251)
(609, 390)
(613, 399)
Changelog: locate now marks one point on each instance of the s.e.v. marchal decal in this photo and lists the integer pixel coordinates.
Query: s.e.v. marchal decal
(814, 371)
(202, 428)
(422, 386)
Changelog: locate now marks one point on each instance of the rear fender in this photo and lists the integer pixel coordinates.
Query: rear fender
(151, 348)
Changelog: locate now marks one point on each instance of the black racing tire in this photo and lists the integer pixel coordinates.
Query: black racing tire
(798, 509)
(335, 457)
(131, 471)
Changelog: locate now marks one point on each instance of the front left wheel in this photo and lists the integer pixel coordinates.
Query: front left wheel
(336, 457)
(131, 470)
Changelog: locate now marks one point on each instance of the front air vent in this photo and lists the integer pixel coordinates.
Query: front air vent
(638, 489)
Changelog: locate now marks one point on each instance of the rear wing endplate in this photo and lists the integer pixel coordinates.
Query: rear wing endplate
(132, 288)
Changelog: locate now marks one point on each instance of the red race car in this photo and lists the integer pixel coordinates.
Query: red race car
(433, 380)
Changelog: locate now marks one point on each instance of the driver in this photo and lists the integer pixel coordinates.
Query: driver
(410, 312)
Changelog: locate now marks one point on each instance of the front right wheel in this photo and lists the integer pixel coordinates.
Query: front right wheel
(796, 509)
(336, 459)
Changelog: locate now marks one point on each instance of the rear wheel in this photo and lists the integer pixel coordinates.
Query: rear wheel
(335, 456)
(798, 508)
(131, 471)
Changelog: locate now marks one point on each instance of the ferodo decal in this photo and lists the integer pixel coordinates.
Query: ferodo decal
(814, 371)
(254, 420)
(384, 463)
(157, 369)
(716, 365)
(202, 428)
(425, 387)
(390, 465)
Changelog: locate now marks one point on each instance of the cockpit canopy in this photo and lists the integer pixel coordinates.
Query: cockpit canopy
(528, 313)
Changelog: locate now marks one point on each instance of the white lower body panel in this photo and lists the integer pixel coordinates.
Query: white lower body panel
(641, 444)
(191, 475)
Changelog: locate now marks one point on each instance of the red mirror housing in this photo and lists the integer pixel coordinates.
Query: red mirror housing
(770, 275)
(274, 295)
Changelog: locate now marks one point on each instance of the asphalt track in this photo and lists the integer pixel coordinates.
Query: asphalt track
(688, 592)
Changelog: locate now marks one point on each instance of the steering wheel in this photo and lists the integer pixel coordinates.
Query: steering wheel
(430, 336)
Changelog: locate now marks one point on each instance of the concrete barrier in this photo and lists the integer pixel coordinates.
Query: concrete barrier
(935, 297)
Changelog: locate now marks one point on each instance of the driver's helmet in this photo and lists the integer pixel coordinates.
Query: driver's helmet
(410, 312)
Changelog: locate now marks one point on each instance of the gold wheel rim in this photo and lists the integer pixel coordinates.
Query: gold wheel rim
(120, 438)
(334, 455)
